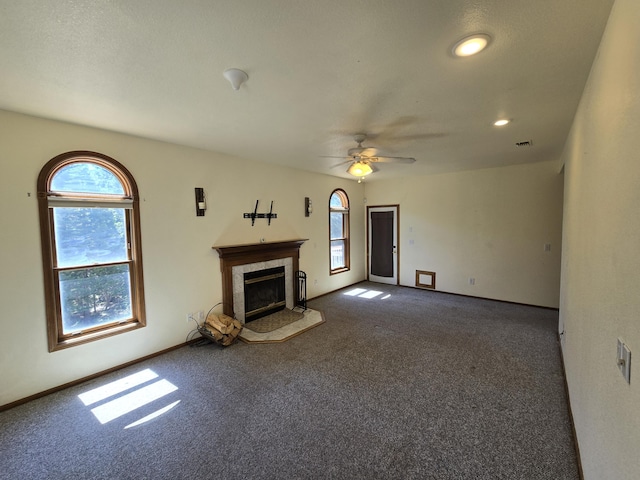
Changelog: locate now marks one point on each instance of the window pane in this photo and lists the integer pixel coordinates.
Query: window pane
(337, 254)
(91, 297)
(336, 225)
(86, 236)
(86, 178)
(335, 201)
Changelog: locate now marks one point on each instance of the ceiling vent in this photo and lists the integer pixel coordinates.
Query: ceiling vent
(526, 143)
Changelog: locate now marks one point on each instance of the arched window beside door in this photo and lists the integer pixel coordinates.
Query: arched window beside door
(339, 231)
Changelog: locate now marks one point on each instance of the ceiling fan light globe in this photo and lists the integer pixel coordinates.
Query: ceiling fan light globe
(359, 169)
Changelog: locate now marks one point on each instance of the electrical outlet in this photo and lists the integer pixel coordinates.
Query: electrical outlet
(472, 281)
(200, 315)
(188, 317)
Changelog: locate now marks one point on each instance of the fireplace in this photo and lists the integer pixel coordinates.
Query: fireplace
(264, 293)
(238, 260)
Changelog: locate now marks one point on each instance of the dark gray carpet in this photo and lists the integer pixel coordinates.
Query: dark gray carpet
(419, 385)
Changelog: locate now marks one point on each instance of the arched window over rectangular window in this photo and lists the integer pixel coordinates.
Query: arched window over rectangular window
(91, 248)
(339, 231)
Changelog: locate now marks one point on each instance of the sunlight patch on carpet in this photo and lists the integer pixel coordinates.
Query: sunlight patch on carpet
(117, 403)
(365, 293)
(132, 401)
(153, 415)
(119, 386)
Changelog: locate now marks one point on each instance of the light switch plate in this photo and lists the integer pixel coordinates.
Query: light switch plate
(624, 360)
(626, 354)
(619, 353)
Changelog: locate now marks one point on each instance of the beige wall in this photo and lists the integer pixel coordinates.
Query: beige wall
(181, 270)
(489, 224)
(600, 299)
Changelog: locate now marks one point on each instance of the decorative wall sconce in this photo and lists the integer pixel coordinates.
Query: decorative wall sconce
(308, 206)
(201, 204)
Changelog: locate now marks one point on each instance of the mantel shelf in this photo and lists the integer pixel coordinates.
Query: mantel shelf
(225, 251)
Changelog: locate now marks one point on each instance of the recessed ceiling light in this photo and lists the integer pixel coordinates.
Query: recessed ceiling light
(471, 45)
(501, 122)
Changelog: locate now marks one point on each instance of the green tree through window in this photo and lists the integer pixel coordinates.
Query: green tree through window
(91, 248)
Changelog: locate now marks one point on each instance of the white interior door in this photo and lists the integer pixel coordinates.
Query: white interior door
(382, 226)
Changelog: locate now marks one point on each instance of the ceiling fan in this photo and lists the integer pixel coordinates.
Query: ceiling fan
(362, 160)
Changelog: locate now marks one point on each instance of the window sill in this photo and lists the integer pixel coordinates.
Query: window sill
(61, 344)
(339, 270)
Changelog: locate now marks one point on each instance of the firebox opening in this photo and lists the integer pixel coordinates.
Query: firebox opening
(264, 293)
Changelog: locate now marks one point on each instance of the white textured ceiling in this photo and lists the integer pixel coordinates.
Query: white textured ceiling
(319, 72)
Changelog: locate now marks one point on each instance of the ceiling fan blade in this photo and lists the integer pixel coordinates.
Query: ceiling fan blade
(341, 163)
(391, 159)
(369, 152)
(362, 152)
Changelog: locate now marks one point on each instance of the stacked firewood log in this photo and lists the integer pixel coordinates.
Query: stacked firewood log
(222, 328)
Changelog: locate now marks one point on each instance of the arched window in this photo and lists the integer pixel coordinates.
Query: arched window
(339, 231)
(91, 248)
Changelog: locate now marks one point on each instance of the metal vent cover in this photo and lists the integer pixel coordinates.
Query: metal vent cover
(526, 143)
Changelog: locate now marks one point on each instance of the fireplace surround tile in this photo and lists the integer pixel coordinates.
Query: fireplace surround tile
(238, 272)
